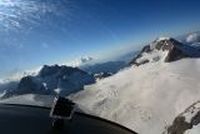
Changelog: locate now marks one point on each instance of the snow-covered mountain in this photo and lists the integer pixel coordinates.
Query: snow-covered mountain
(167, 48)
(147, 97)
(53, 79)
(162, 81)
(50, 80)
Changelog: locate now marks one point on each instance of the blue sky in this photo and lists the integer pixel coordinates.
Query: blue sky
(37, 32)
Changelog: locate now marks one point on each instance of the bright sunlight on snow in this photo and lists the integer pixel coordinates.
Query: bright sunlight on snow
(140, 97)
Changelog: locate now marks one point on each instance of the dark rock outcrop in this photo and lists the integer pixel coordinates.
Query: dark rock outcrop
(175, 54)
(29, 84)
(102, 75)
(180, 125)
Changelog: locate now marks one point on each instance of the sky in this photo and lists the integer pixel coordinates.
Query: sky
(38, 32)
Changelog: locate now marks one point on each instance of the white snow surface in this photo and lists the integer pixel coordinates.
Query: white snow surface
(153, 56)
(163, 38)
(146, 98)
(194, 130)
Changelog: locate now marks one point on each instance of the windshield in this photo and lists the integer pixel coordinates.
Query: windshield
(132, 62)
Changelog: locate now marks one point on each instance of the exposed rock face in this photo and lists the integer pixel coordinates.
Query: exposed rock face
(29, 84)
(179, 126)
(59, 71)
(186, 120)
(52, 78)
(175, 54)
(102, 75)
(146, 49)
(175, 50)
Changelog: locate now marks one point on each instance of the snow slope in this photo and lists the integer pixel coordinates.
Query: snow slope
(146, 98)
(195, 130)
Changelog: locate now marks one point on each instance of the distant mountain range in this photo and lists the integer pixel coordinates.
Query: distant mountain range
(50, 80)
(111, 67)
(63, 79)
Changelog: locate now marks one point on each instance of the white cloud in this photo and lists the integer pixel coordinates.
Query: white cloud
(81, 61)
(18, 75)
(14, 12)
(192, 38)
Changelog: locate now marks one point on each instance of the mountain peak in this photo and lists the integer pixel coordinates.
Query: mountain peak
(164, 43)
(163, 38)
(56, 69)
(164, 49)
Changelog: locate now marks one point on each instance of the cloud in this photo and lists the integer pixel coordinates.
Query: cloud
(86, 59)
(81, 61)
(20, 74)
(192, 38)
(14, 14)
